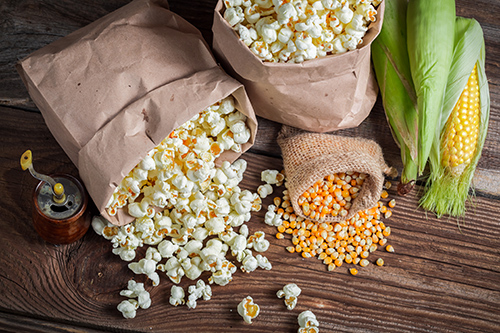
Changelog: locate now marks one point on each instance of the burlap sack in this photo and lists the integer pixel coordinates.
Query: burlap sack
(113, 90)
(309, 157)
(318, 95)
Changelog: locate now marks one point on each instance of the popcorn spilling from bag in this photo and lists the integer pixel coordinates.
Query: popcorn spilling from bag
(298, 30)
(189, 211)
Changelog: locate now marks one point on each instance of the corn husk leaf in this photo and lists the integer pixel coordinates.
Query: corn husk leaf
(447, 194)
(392, 70)
(431, 27)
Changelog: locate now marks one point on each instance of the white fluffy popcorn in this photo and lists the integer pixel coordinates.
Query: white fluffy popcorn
(197, 291)
(186, 208)
(291, 293)
(248, 310)
(307, 322)
(265, 190)
(148, 267)
(135, 290)
(299, 30)
(176, 296)
(272, 218)
(128, 308)
(272, 177)
(258, 242)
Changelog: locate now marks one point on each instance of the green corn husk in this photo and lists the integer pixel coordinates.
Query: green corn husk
(446, 194)
(431, 27)
(392, 70)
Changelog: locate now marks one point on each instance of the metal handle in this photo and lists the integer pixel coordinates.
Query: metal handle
(57, 188)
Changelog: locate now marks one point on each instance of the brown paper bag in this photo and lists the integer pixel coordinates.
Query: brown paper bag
(309, 157)
(113, 90)
(319, 95)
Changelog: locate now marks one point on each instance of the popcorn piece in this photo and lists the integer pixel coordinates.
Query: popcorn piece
(248, 310)
(258, 242)
(307, 322)
(200, 290)
(249, 262)
(291, 293)
(264, 190)
(128, 308)
(136, 290)
(147, 267)
(224, 275)
(263, 262)
(272, 218)
(176, 296)
(269, 176)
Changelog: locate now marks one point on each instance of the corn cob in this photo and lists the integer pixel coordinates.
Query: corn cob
(459, 140)
(463, 124)
(392, 70)
(431, 27)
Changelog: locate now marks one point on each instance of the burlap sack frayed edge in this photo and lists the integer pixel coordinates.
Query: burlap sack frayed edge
(302, 174)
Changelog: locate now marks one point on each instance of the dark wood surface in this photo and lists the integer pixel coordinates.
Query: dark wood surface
(440, 279)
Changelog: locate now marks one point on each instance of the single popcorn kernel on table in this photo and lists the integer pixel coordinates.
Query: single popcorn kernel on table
(295, 31)
(248, 310)
(350, 241)
(332, 195)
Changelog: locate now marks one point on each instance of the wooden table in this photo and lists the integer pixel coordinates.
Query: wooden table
(440, 279)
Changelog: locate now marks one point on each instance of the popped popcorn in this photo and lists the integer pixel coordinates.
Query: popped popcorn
(128, 308)
(176, 296)
(264, 190)
(272, 177)
(248, 310)
(186, 208)
(197, 291)
(307, 322)
(258, 242)
(272, 218)
(299, 30)
(291, 293)
(148, 267)
(135, 290)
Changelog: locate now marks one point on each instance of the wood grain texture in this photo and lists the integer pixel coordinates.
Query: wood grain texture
(441, 278)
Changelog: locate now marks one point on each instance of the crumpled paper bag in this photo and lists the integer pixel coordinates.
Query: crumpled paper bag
(113, 90)
(318, 95)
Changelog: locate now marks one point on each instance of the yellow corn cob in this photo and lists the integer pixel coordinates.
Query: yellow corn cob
(458, 144)
(463, 125)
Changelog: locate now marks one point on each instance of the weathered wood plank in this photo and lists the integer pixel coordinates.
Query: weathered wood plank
(448, 277)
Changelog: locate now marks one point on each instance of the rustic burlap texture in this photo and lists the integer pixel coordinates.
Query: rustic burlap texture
(309, 157)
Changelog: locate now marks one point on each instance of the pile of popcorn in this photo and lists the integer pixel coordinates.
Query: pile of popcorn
(190, 212)
(298, 30)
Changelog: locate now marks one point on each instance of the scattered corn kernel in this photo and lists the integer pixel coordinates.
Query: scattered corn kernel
(353, 271)
(380, 262)
(389, 248)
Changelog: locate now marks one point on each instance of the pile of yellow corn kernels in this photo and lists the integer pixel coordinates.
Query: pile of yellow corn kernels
(350, 241)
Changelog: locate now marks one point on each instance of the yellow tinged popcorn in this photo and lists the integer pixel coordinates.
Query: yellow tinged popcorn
(458, 144)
